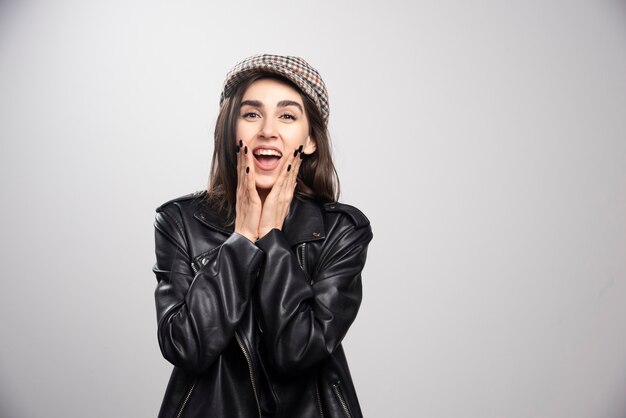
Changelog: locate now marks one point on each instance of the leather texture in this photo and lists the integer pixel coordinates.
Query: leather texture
(255, 329)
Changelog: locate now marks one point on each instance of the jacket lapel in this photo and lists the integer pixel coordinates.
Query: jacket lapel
(303, 223)
(208, 217)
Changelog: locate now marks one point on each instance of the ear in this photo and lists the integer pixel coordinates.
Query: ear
(310, 146)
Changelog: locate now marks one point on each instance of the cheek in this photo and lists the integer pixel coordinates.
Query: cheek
(294, 133)
(245, 131)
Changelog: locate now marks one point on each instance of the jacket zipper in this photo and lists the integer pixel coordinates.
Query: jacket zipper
(317, 395)
(249, 361)
(301, 255)
(182, 406)
(186, 399)
(195, 269)
(195, 265)
(342, 401)
(302, 258)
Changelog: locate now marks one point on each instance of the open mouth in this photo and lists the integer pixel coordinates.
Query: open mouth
(266, 159)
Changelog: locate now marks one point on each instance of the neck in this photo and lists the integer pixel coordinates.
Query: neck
(263, 194)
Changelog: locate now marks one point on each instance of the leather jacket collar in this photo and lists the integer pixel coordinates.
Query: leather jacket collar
(303, 223)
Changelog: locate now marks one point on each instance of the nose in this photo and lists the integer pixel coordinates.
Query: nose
(268, 129)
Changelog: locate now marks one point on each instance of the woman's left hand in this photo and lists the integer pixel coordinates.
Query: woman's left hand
(277, 202)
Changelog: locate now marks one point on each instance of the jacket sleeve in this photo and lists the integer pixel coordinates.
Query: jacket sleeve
(304, 323)
(197, 313)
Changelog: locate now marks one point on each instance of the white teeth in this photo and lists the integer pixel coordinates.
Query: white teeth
(267, 152)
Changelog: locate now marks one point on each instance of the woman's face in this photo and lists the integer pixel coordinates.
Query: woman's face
(272, 121)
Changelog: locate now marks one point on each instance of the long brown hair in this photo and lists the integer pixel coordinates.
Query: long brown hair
(317, 178)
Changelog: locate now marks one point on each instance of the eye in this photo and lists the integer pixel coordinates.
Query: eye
(288, 116)
(250, 115)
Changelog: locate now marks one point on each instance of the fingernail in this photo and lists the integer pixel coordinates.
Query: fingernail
(237, 149)
(300, 148)
(240, 143)
(295, 152)
(289, 167)
(247, 170)
(245, 149)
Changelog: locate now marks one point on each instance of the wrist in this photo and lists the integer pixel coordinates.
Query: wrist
(263, 232)
(250, 237)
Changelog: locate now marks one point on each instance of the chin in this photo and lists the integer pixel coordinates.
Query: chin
(264, 185)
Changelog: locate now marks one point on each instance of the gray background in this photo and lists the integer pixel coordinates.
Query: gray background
(486, 142)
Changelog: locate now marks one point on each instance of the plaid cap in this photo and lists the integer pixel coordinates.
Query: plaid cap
(293, 68)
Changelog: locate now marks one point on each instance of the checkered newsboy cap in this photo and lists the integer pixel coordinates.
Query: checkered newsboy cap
(293, 68)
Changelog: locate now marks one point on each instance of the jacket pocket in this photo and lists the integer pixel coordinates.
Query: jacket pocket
(343, 404)
(185, 400)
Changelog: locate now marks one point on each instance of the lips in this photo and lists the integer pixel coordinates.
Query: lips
(266, 162)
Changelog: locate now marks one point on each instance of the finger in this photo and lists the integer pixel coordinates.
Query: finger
(296, 171)
(249, 171)
(293, 181)
(244, 175)
(284, 172)
(286, 186)
(238, 184)
(238, 150)
(297, 161)
(242, 172)
(293, 173)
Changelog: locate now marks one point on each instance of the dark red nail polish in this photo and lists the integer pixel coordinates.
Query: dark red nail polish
(289, 167)
(240, 143)
(245, 149)
(237, 149)
(300, 148)
(247, 170)
(295, 153)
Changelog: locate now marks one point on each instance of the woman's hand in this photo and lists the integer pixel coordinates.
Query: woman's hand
(277, 202)
(248, 207)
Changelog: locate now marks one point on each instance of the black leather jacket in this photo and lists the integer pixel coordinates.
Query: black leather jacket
(255, 329)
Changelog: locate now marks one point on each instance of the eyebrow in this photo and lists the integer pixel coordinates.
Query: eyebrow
(285, 103)
(282, 103)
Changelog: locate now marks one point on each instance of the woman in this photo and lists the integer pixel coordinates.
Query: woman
(259, 277)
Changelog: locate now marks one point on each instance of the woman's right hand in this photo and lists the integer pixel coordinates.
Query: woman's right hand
(248, 207)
